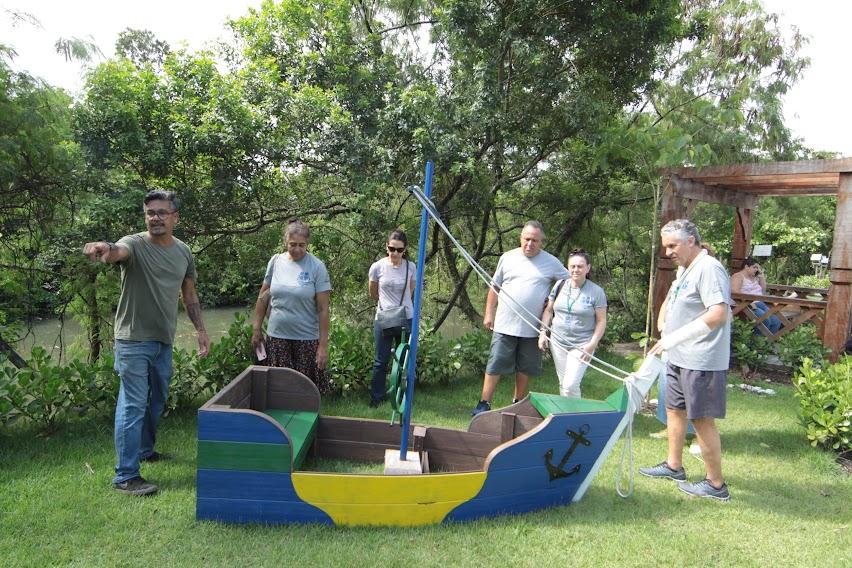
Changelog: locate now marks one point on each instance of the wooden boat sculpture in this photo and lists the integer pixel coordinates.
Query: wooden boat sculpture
(254, 436)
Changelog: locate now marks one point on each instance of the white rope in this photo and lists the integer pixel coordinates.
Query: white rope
(527, 317)
(635, 396)
(627, 449)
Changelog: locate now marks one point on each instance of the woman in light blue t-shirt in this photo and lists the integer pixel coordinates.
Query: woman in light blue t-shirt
(295, 293)
(577, 309)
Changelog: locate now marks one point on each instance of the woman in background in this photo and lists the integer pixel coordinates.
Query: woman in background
(295, 292)
(750, 280)
(390, 287)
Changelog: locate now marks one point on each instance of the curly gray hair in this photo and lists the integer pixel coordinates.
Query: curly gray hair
(682, 229)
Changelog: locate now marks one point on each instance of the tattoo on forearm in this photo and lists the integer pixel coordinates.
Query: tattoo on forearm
(193, 310)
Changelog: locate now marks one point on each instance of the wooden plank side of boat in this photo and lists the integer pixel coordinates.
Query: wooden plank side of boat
(543, 467)
(509, 461)
(387, 500)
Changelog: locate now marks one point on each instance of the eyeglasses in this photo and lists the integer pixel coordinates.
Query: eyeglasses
(396, 249)
(159, 213)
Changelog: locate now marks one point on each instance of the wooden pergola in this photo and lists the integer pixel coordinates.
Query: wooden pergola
(741, 186)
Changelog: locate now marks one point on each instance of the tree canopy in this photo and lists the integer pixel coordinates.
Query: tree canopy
(327, 109)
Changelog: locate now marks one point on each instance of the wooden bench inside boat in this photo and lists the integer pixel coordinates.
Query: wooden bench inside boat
(266, 419)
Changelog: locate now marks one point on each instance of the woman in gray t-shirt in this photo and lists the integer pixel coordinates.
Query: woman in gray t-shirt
(390, 287)
(577, 309)
(295, 293)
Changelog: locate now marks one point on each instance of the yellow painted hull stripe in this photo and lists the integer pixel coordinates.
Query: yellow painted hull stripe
(398, 500)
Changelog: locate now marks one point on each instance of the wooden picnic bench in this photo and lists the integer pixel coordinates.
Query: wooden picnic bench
(792, 305)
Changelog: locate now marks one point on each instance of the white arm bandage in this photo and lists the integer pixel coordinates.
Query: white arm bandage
(693, 330)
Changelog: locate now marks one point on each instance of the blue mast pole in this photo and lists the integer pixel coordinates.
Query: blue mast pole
(415, 320)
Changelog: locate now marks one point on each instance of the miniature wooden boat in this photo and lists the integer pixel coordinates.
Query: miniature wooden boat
(254, 436)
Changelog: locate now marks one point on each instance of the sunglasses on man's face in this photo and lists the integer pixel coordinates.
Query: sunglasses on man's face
(396, 249)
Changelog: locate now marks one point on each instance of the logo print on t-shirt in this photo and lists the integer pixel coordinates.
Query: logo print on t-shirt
(304, 279)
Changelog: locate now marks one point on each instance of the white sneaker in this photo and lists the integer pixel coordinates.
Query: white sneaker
(695, 449)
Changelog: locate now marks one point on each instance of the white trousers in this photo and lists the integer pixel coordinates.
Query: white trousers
(569, 369)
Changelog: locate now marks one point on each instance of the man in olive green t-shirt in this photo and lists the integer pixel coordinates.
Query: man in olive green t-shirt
(156, 268)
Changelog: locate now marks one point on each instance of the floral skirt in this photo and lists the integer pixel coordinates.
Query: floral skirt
(299, 355)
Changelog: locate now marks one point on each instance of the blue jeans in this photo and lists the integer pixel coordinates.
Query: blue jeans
(772, 323)
(145, 370)
(384, 347)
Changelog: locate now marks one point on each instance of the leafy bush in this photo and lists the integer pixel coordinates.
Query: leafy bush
(441, 360)
(43, 392)
(812, 281)
(825, 398)
(228, 357)
(800, 343)
(749, 348)
(350, 356)
(617, 325)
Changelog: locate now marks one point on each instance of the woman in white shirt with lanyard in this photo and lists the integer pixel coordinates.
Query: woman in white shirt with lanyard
(577, 309)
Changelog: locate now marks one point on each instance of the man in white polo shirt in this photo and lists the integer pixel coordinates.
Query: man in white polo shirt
(522, 282)
(697, 337)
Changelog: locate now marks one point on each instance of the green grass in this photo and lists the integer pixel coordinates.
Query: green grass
(791, 505)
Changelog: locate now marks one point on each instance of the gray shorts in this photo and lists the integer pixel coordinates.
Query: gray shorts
(701, 393)
(510, 354)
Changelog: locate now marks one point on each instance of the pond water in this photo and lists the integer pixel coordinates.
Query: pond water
(57, 336)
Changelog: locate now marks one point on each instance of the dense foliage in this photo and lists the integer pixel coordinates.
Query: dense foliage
(800, 344)
(749, 348)
(825, 398)
(327, 109)
(45, 392)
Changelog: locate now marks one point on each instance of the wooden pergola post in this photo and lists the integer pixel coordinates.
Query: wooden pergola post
(679, 200)
(741, 186)
(742, 237)
(840, 295)
(672, 208)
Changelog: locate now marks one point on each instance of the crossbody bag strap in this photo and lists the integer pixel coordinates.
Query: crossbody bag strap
(404, 286)
(559, 286)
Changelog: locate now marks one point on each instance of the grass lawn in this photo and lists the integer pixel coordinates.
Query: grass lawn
(791, 505)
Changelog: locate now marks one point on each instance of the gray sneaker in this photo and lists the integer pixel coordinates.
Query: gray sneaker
(136, 486)
(663, 471)
(704, 488)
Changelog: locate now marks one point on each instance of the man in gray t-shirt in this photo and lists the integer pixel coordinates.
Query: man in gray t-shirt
(156, 269)
(696, 334)
(522, 282)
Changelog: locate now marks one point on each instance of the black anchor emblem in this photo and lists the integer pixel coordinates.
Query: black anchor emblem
(557, 471)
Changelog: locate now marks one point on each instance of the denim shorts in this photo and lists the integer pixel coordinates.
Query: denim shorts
(701, 393)
(510, 354)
